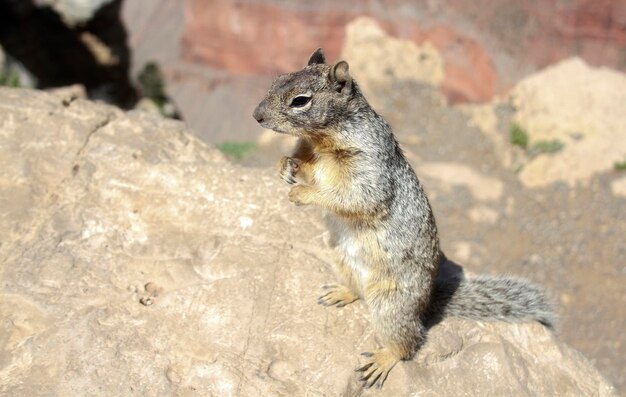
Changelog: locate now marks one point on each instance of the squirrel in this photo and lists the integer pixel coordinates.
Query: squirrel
(348, 161)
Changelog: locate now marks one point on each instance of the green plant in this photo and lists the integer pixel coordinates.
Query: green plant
(541, 147)
(152, 84)
(236, 150)
(620, 165)
(519, 136)
(10, 78)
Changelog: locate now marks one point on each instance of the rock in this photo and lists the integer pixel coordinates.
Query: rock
(575, 104)
(493, 360)
(148, 105)
(249, 45)
(484, 117)
(486, 48)
(579, 105)
(377, 58)
(243, 31)
(98, 206)
(618, 187)
(69, 93)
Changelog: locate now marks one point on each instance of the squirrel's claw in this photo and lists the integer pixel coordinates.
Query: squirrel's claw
(288, 178)
(288, 168)
(376, 371)
(363, 368)
(336, 295)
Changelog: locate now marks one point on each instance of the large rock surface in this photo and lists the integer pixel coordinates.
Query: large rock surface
(135, 260)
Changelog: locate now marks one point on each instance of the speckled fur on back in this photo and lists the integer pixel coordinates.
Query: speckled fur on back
(348, 162)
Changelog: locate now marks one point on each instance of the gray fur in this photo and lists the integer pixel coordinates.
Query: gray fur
(509, 299)
(380, 219)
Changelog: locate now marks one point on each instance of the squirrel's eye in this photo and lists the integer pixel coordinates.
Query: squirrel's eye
(299, 101)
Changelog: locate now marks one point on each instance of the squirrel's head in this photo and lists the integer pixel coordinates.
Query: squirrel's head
(308, 102)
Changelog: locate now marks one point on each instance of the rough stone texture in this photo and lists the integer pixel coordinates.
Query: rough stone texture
(135, 260)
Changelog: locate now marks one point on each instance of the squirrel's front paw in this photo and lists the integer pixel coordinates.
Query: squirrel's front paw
(288, 168)
(297, 195)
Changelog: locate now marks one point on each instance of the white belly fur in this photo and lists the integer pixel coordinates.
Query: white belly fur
(349, 247)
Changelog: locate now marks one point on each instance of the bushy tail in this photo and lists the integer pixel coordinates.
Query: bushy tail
(492, 298)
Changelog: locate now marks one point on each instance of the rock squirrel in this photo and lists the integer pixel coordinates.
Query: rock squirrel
(348, 162)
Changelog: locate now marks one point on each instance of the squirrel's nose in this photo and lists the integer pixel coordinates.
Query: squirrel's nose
(259, 112)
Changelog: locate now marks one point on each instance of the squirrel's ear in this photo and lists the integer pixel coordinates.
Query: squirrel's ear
(339, 74)
(317, 57)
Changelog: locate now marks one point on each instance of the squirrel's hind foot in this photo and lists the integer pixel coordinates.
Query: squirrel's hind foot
(375, 372)
(337, 295)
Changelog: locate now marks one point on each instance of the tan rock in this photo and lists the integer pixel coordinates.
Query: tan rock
(70, 93)
(618, 187)
(378, 58)
(579, 105)
(98, 207)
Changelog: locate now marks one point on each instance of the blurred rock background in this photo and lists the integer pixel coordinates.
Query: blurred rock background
(513, 114)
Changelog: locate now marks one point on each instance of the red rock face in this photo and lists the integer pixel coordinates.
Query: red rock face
(535, 34)
(487, 46)
(260, 37)
(470, 75)
(597, 29)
